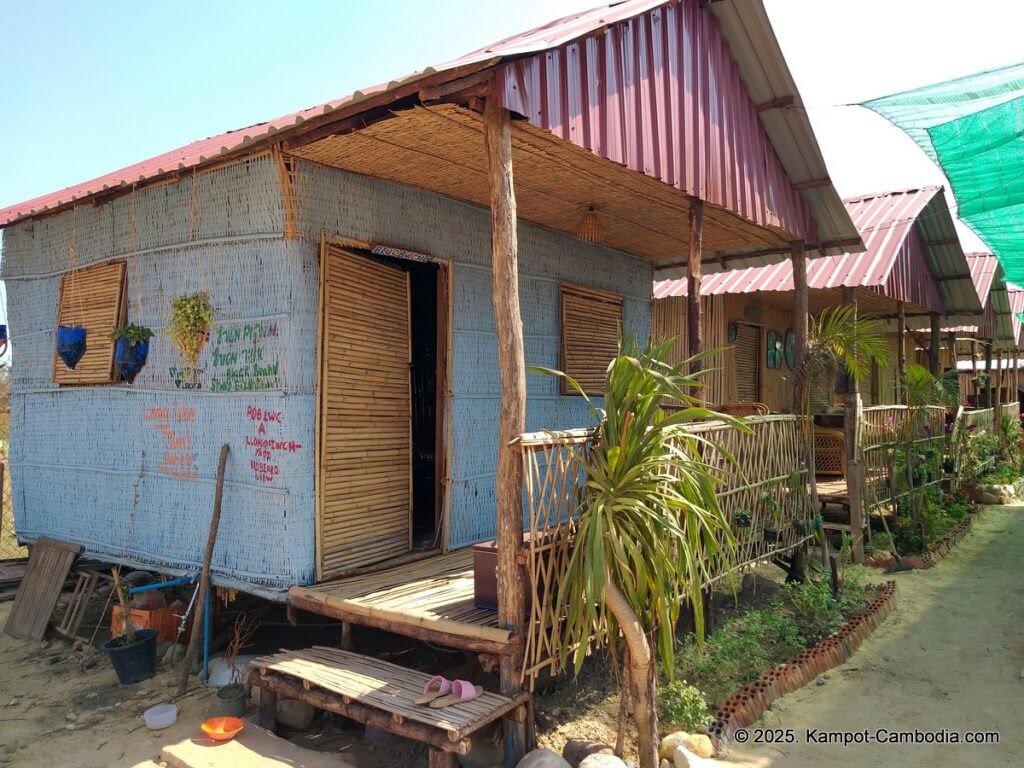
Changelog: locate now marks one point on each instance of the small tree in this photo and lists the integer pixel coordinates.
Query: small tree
(650, 531)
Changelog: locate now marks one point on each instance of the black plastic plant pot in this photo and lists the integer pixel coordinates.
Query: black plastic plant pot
(949, 466)
(136, 662)
(771, 535)
(130, 359)
(916, 478)
(70, 344)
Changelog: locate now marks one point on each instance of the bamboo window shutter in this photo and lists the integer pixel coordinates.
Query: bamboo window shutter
(748, 363)
(366, 407)
(92, 298)
(591, 322)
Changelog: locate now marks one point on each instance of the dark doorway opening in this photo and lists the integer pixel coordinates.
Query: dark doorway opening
(425, 363)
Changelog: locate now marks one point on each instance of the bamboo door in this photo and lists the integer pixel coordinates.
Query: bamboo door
(365, 504)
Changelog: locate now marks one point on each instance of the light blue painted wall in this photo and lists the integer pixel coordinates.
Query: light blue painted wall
(365, 209)
(90, 464)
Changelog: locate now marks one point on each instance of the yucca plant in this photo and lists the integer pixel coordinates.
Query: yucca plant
(650, 531)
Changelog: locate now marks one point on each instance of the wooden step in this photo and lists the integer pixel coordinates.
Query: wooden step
(379, 694)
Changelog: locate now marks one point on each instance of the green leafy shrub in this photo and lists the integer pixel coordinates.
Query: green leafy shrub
(740, 652)
(189, 325)
(136, 334)
(683, 705)
(818, 614)
(906, 537)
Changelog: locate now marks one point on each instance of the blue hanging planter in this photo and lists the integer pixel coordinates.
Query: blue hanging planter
(3, 333)
(70, 344)
(130, 358)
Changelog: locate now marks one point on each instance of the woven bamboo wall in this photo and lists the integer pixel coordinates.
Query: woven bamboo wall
(128, 470)
(366, 209)
(669, 320)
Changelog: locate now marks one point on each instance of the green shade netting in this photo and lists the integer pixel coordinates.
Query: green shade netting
(973, 128)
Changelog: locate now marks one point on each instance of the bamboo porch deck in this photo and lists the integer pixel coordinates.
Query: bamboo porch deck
(431, 599)
(378, 693)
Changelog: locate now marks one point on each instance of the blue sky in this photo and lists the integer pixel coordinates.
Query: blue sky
(86, 88)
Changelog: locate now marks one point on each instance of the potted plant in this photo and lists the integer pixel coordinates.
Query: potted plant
(131, 348)
(742, 517)
(233, 698)
(132, 653)
(770, 530)
(70, 344)
(189, 325)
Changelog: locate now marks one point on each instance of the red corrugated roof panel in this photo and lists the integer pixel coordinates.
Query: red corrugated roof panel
(885, 222)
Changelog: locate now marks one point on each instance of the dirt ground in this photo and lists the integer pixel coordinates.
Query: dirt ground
(950, 657)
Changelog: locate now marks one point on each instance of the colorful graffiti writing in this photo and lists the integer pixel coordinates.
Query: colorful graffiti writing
(177, 460)
(265, 447)
(240, 359)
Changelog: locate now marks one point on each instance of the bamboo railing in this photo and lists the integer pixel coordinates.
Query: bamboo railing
(885, 432)
(761, 472)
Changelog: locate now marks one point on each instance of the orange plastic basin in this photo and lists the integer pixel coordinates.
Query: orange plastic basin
(222, 728)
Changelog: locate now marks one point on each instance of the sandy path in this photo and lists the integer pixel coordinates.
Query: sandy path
(948, 658)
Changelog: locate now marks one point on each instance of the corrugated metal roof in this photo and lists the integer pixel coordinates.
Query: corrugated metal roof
(744, 24)
(892, 264)
(1016, 297)
(987, 273)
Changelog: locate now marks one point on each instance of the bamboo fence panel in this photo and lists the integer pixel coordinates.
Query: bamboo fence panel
(765, 476)
(884, 430)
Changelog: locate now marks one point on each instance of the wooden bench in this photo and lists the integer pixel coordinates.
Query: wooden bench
(378, 694)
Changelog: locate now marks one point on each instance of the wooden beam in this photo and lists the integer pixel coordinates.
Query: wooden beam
(779, 103)
(854, 489)
(694, 337)
(512, 413)
(901, 352)
(798, 257)
(475, 84)
(988, 372)
(933, 352)
(775, 250)
(947, 241)
(812, 184)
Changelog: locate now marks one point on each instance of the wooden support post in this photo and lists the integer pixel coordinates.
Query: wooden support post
(204, 575)
(988, 372)
(851, 408)
(512, 415)
(1017, 374)
(798, 256)
(346, 643)
(933, 352)
(267, 717)
(694, 337)
(901, 353)
(952, 350)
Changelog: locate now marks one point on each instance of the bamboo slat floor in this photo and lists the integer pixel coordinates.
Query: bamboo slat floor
(382, 686)
(434, 594)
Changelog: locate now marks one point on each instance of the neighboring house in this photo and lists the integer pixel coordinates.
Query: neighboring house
(913, 264)
(353, 366)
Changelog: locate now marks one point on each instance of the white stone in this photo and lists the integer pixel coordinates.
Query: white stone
(543, 758)
(681, 758)
(601, 761)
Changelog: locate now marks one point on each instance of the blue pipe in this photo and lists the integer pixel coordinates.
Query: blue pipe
(206, 637)
(162, 584)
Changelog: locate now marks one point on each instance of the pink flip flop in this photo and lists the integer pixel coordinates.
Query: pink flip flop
(436, 687)
(462, 691)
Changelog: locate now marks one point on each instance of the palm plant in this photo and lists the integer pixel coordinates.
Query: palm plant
(650, 531)
(839, 341)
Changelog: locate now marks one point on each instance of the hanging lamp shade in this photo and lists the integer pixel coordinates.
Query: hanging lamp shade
(589, 228)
